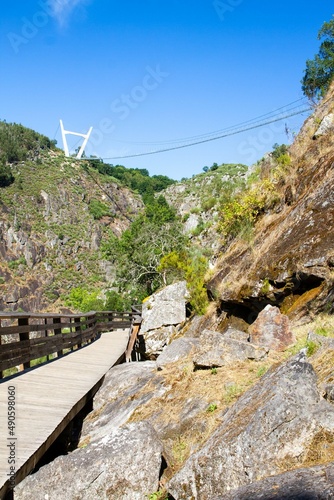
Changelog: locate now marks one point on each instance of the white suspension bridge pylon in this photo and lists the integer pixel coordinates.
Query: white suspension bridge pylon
(84, 144)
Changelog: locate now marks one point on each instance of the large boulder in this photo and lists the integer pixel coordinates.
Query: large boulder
(216, 349)
(162, 312)
(119, 396)
(176, 351)
(310, 483)
(279, 424)
(271, 329)
(166, 307)
(124, 465)
(235, 334)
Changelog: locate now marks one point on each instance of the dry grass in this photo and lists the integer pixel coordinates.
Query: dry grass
(322, 324)
(323, 364)
(321, 449)
(218, 389)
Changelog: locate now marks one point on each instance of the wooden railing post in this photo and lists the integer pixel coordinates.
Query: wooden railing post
(1, 371)
(78, 329)
(24, 336)
(57, 331)
(49, 356)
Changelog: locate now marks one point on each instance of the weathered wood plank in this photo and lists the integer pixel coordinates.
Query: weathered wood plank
(48, 397)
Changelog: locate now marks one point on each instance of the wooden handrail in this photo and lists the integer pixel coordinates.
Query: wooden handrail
(38, 335)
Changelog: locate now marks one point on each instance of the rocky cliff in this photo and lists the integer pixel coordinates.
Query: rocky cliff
(53, 220)
(289, 260)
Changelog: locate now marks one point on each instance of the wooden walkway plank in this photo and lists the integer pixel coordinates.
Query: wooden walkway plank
(47, 399)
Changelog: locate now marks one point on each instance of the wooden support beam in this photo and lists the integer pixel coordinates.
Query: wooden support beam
(133, 336)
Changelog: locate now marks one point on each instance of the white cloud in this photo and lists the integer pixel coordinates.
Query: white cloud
(61, 9)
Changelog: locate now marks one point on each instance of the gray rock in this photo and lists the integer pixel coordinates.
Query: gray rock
(164, 308)
(271, 329)
(326, 125)
(30, 254)
(13, 296)
(277, 424)
(233, 333)
(311, 483)
(178, 349)
(124, 465)
(321, 261)
(194, 327)
(191, 223)
(157, 340)
(326, 342)
(119, 396)
(170, 431)
(215, 349)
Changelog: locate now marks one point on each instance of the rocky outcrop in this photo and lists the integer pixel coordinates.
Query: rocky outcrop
(280, 423)
(124, 464)
(178, 349)
(271, 329)
(49, 230)
(326, 126)
(162, 313)
(197, 201)
(311, 483)
(216, 349)
(289, 261)
(122, 392)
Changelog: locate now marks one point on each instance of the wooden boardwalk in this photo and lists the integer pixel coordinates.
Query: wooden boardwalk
(47, 398)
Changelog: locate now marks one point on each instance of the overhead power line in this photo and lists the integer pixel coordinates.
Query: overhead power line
(229, 132)
(271, 114)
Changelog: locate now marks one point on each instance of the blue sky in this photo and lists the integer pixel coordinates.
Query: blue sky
(147, 74)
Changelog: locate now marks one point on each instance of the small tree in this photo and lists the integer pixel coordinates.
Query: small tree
(319, 71)
(6, 176)
(192, 267)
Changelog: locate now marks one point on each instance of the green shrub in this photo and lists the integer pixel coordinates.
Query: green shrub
(116, 302)
(98, 209)
(261, 371)
(211, 408)
(239, 213)
(82, 300)
(312, 347)
(192, 267)
(6, 176)
(232, 391)
(199, 228)
(208, 204)
(14, 264)
(279, 150)
(265, 288)
(283, 160)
